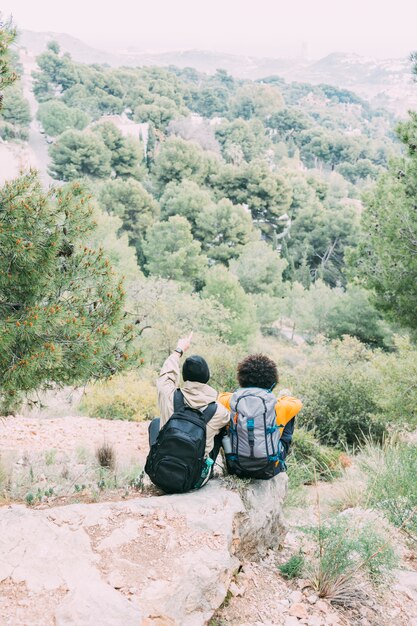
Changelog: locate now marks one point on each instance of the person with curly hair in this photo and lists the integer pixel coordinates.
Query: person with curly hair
(262, 424)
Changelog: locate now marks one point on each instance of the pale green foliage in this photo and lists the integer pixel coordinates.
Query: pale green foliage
(259, 101)
(268, 310)
(172, 253)
(339, 401)
(392, 471)
(61, 303)
(15, 108)
(121, 255)
(309, 461)
(56, 117)
(397, 390)
(335, 312)
(241, 140)
(266, 194)
(159, 113)
(259, 269)
(350, 554)
(126, 153)
(164, 312)
(131, 396)
(224, 287)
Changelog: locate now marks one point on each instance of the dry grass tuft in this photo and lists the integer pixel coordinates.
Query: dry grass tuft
(106, 456)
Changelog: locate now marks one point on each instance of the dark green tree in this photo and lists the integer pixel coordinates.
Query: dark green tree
(172, 253)
(126, 153)
(223, 229)
(77, 154)
(387, 258)
(134, 205)
(178, 159)
(15, 107)
(266, 194)
(56, 117)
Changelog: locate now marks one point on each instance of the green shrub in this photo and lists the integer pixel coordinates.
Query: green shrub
(124, 397)
(293, 567)
(392, 472)
(11, 131)
(312, 461)
(396, 394)
(340, 405)
(349, 556)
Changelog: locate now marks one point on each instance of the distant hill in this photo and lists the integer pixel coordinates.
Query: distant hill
(384, 82)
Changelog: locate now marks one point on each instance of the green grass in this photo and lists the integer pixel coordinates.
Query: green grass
(392, 477)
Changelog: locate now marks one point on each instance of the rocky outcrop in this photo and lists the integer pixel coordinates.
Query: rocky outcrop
(154, 560)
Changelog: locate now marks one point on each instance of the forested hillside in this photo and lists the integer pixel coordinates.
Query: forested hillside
(231, 206)
(266, 216)
(237, 186)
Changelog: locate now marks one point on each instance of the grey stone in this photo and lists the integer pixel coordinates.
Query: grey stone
(262, 527)
(106, 570)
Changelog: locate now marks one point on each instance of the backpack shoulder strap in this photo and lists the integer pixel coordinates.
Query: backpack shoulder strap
(178, 400)
(209, 412)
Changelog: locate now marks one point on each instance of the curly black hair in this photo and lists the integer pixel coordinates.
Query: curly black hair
(257, 370)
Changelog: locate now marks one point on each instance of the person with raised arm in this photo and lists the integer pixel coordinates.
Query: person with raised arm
(186, 438)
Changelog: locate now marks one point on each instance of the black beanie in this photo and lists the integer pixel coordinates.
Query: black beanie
(195, 369)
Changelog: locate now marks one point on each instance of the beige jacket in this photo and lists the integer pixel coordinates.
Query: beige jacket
(196, 395)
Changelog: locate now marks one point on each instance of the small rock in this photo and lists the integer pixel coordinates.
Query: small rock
(298, 610)
(115, 580)
(235, 590)
(132, 590)
(296, 596)
(302, 583)
(322, 606)
(291, 621)
(332, 620)
(285, 604)
(312, 599)
(315, 620)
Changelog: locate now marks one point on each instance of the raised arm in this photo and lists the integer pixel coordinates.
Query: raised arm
(169, 379)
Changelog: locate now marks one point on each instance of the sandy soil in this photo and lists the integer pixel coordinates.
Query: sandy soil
(26, 435)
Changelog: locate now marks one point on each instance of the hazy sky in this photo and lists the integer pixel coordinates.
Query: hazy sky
(382, 28)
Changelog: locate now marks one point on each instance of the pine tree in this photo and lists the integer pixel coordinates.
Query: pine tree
(7, 75)
(61, 303)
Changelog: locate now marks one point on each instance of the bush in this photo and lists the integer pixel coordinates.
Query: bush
(397, 391)
(392, 470)
(308, 460)
(126, 397)
(340, 405)
(293, 567)
(348, 558)
(12, 131)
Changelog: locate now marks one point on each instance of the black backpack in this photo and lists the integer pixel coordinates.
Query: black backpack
(176, 459)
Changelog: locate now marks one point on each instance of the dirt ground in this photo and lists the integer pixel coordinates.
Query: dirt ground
(22, 435)
(43, 444)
